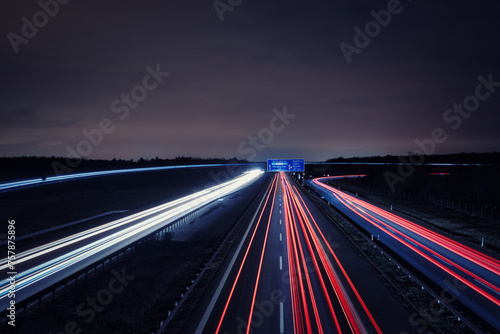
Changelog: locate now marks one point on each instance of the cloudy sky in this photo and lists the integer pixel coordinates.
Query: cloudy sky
(252, 80)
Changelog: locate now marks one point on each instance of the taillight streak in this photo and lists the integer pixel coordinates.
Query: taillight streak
(273, 189)
(252, 305)
(468, 253)
(301, 218)
(475, 257)
(292, 270)
(295, 204)
(341, 268)
(296, 264)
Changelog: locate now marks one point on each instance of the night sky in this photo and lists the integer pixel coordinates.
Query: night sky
(284, 79)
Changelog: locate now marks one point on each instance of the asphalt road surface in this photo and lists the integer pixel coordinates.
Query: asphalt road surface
(30, 271)
(291, 271)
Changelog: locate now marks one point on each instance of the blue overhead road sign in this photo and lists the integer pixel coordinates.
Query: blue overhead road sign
(285, 165)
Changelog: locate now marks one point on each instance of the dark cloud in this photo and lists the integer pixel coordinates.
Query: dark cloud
(28, 118)
(226, 77)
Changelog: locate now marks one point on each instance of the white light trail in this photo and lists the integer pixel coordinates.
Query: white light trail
(138, 226)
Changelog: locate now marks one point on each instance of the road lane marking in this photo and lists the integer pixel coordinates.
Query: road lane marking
(486, 286)
(281, 262)
(282, 320)
(280, 221)
(411, 242)
(440, 259)
(281, 237)
(259, 271)
(211, 305)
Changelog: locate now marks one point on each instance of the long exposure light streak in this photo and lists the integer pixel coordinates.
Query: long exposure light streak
(12, 185)
(474, 269)
(303, 229)
(323, 298)
(117, 233)
(273, 189)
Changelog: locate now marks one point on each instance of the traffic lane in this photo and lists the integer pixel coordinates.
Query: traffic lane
(270, 295)
(52, 249)
(477, 262)
(272, 310)
(72, 259)
(67, 265)
(385, 307)
(450, 284)
(232, 317)
(440, 248)
(448, 281)
(163, 214)
(202, 316)
(443, 270)
(267, 288)
(167, 210)
(463, 265)
(319, 294)
(357, 315)
(37, 278)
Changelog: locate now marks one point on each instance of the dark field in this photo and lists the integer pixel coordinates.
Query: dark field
(464, 204)
(39, 208)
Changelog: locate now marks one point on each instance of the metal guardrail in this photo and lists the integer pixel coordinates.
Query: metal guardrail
(55, 228)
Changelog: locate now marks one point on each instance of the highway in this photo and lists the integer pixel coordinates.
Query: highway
(38, 268)
(467, 274)
(291, 271)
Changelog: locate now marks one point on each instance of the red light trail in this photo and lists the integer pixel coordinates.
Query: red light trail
(429, 245)
(302, 229)
(323, 298)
